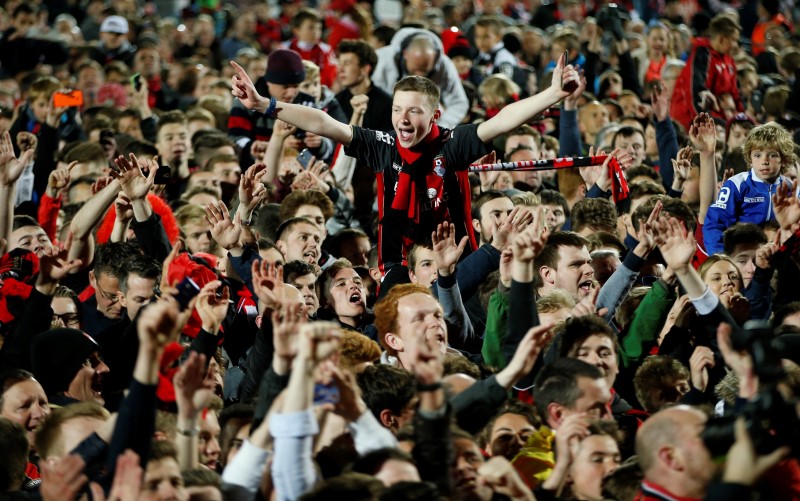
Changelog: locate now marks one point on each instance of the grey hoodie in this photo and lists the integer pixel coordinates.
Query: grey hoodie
(454, 103)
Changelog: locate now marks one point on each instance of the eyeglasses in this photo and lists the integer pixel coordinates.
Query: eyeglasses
(69, 319)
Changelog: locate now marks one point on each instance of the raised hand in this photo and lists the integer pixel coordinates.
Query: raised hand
(283, 129)
(58, 180)
(623, 158)
(571, 432)
(660, 101)
(123, 209)
(445, 250)
(571, 101)
(318, 341)
(224, 231)
(677, 245)
(787, 207)
(11, 167)
(703, 134)
(527, 352)
(737, 305)
(700, 362)
(528, 244)
(596, 174)
(244, 90)
(193, 391)
(681, 168)
(350, 405)
(268, 284)
(506, 258)
(286, 322)
(64, 480)
(165, 286)
(131, 178)
(502, 478)
(764, 254)
(212, 306)
(646, 234)
(488, 177)
(128, 477)
(101, 184)
(740, 362)
(427, 362)
(588, 305)
(312, 140)
(252, 191)
(565, 78)
(515, 223)
(160, 322)
(55, 265)
(258, 150)
(359, 104)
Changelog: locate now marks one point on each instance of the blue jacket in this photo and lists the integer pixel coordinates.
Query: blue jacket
(743, 198)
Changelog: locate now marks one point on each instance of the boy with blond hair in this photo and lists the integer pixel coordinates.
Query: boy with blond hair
(747, 196)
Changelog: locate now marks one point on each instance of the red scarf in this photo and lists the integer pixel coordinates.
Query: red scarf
(407, 185)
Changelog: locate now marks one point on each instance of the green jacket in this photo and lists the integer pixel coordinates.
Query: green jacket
(496, 328)
(647, 322)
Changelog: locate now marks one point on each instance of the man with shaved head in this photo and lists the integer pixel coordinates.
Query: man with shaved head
(671, 452)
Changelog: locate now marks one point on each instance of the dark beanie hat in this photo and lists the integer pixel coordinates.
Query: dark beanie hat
(285, 67)
(57, 355)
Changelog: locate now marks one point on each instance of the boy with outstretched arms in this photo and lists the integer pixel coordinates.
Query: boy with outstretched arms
(421, 169)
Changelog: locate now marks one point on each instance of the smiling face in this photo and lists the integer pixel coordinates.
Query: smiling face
(766, 163)
(723, 278)
(412, 117)
(657, 41)
(347, 296)
(599, 350)
(302, 242)
(25, 403)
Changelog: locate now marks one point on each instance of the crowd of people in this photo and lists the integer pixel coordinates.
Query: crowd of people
(244, 254)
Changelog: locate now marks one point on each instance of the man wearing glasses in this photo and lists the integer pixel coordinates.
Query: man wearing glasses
(101, 304)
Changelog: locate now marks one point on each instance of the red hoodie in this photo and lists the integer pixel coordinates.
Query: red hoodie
(706, 69)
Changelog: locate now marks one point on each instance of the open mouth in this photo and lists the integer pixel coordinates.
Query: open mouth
(310, 255)
(405, 134)
(585, 286)
(355, 298)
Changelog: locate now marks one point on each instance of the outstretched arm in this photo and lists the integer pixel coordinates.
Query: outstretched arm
(310, 119)
(565, 80)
